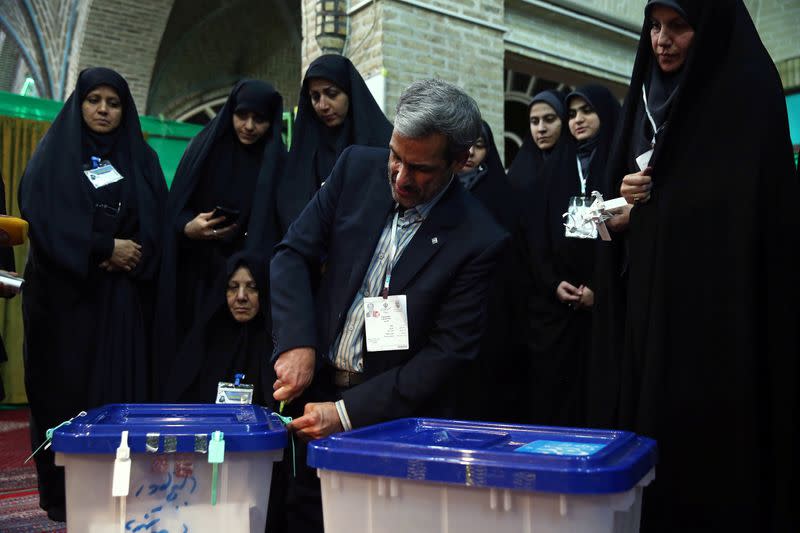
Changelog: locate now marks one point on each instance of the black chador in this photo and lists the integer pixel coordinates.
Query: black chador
(217, 170)
(315, 146)
(495, 377)
(218, 346)
(711, 346)
(86, 328)
(560, 336)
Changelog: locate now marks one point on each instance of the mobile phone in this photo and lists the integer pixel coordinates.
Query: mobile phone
(231, 215)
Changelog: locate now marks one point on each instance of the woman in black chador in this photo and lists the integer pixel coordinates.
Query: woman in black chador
(494, 377)
(335, 110)
(220, 202)
(562, 262)
(548, 126)
(711, 346)
(93, 258)
(230, 337)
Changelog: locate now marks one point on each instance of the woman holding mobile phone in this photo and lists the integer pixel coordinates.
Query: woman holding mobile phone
(221, 191)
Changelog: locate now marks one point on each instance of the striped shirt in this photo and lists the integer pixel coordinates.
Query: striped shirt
(347, 350)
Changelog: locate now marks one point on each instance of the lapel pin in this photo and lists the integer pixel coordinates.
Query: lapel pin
(435, 240)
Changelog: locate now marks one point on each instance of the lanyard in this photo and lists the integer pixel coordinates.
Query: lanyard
(581, 176)
(656, 129)
(392, 252)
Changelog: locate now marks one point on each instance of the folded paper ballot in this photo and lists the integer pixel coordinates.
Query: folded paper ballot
(596, 214)
(10, 280)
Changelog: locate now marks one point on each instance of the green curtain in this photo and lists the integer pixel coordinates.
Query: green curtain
(18, 140)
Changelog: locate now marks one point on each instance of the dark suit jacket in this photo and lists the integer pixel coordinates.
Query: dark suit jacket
(444, 271)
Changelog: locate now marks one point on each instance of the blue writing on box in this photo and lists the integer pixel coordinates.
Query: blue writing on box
(170, 490)
(554, 447)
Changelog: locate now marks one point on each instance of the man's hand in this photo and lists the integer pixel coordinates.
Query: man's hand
(295, 370)
(318, 421)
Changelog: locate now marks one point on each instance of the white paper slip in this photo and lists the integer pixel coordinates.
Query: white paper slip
(10, 280)
(386, 323)
(614, 203)
(644, 160)
(103, 175)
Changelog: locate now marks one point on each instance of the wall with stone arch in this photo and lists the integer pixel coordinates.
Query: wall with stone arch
(208, 45)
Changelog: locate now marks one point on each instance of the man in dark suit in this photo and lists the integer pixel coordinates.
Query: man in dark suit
(416, 245)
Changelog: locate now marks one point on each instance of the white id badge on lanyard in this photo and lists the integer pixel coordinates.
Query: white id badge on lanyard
(386, 323)
(643, 161)
(581, 225)
(103, 175)
(386, 317)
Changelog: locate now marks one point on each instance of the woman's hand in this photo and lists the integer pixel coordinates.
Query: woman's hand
(587, 298)
(568, 293)
(5, 290)
(202, 227)
(635, 188)
(125, 257)
(619, 222)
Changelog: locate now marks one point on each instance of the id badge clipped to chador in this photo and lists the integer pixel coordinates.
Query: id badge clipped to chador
(102, 174)
(236, 392)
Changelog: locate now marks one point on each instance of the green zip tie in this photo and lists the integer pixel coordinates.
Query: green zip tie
(214, 478)
(216, 455)
(49, 435)
(286, 420)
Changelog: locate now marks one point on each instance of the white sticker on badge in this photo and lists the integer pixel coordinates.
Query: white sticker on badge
(386, 323)
(103, 175)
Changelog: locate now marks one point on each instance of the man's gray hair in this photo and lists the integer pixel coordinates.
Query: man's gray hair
(435, 106)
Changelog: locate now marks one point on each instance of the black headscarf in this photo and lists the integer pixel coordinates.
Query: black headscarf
(60, 205)
(315, 147)
(525, 168)
(204, 180)
(711, 343)
(219, 347)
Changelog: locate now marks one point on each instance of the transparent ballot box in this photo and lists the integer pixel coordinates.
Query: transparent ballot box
(426, 475)
(169, 468)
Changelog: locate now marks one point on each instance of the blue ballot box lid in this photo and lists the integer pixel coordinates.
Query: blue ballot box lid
(159, 428)
(546, 459)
